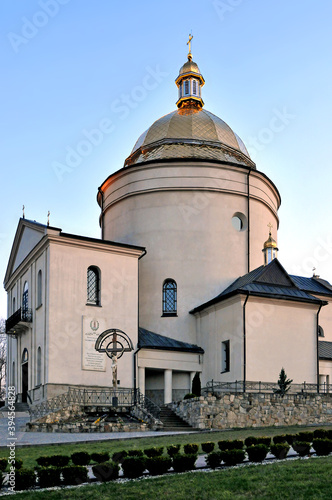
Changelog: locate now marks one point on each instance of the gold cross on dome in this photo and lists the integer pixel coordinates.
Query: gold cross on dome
(270, 227)
(189, 42)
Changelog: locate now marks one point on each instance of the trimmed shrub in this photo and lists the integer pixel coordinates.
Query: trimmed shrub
(48, 476)
(24, 479)
(257, 452)
(154, 452)
(250, 440)
(280, 450)
(135, 453)
(74, 474)
(190, 448)
(3, 464)
(321, 434)
(322, 446)
(158, 465)
(18, 463)
(43, 461)
(106, 471)
(264, 440)
(59, 460)
(232, 457)
(302, 448)
(213, 459)
(307, 436)
(290, 438)
(81, 458)
(119, 456)
(101, 457)
(235, 444)
(182, 463)
(208, 447)
(329, 433)
(190, 395)
(173, 449)
(133, 466)
(281, 438)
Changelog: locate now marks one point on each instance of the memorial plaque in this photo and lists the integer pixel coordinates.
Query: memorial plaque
(91, 329)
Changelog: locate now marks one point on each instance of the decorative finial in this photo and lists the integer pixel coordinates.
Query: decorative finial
(48, 218)
(314, 275)
(23, 211)
(189, 43)
(270, 227)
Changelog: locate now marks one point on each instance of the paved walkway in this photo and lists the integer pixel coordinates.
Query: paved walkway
(40, 438)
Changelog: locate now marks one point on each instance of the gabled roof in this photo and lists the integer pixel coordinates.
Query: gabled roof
(271, 281)
(313, 285)
(325, 349)
(151, 340)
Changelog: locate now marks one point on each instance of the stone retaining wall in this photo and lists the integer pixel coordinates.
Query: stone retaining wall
(254, 410)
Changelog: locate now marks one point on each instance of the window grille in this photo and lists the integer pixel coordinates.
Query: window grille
(169, 297)
(93, 287)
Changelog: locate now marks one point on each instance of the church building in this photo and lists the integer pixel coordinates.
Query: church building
(184, 279)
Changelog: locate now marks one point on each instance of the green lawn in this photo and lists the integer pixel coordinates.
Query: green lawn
(29, 453)
(296, 479)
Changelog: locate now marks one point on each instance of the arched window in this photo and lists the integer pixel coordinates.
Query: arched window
(25, 356)
(25, 298)
(39, 363)
(320, 331)
(14, 305)
(39, 288)
(194, 87)
(169, 298)
(186, 87)
(93, 285)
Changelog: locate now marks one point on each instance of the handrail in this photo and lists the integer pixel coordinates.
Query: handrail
(265, 387)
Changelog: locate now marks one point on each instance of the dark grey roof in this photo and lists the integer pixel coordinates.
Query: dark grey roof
(271, 281)
(325, 349)
(313, 285)
(151, 340)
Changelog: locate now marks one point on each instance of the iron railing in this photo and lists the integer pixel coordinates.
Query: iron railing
(22, 315)
(265, 387)
(112, 398)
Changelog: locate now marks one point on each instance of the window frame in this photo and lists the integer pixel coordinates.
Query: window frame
(225, 356)
(25, 297)
(165, 310)
(96, 301)
(39, 288)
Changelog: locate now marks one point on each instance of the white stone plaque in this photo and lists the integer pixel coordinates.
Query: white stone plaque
(93, 360)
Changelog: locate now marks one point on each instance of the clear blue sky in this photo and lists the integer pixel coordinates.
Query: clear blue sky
(69, 65)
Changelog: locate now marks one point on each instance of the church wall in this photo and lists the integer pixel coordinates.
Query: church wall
(280, 334)
(119, 296)
(182, 214)
(219, 323)
(325, 319)
(325, 373)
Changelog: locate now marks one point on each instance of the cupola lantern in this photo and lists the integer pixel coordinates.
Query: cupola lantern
(189, 82)
(270, 248)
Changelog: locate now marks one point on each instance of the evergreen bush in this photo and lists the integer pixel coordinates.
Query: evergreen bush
(18, 463)
(106, 471)
(158, 465)
(101, 457)
(322, 446)
(281, 438)
(301, 447)
(280, 450)
(190, 395)
(264, 440)
(74, 474)
(133, 466)
(321, 433)
(235, 444)
(213, 459)
(196, 385)
(154, 452)
(284, 383)
(290, 438)
(306, 436)
(190, 448)
(250, 440)
(3, 464)
(232, 457)
(119, 456)
(173, 449)
(182, 463)
(24, 479)
(59, 460)
(80, 458)
(43, 461)
(208, 447)
(135, 453)
(48, 476)
(257, 452)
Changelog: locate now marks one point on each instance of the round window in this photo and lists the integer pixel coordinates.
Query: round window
(239, 221)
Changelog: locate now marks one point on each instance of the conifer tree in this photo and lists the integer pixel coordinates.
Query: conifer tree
(196, 385)
(284, 383)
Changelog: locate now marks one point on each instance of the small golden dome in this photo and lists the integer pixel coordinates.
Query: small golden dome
(270, 242)
(189, 67)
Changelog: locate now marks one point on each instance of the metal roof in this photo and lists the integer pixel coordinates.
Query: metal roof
(151, 340)
(313, 285)
(325, 349)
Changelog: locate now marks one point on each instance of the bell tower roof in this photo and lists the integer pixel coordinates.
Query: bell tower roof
(189, 82)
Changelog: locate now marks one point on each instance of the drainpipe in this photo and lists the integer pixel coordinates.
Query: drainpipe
(139, 348)
(244, 344)
(102, 212)
(248, 216)
(317, 341)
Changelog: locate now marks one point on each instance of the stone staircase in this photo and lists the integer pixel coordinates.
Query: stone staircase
(171, 421)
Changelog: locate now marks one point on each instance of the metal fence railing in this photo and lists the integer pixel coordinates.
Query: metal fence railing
(216, 387)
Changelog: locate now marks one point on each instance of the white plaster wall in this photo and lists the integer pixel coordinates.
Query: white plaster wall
(182, 214)
(281, 334)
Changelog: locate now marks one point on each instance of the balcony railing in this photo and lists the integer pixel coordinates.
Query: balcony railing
(17, 322)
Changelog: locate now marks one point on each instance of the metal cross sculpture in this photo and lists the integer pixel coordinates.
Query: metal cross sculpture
(114, 342)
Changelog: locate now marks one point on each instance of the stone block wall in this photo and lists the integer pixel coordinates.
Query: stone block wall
(254, 410)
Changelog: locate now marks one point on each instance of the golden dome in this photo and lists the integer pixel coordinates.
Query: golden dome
(190, 67)
(189, 132)
(270, 242)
